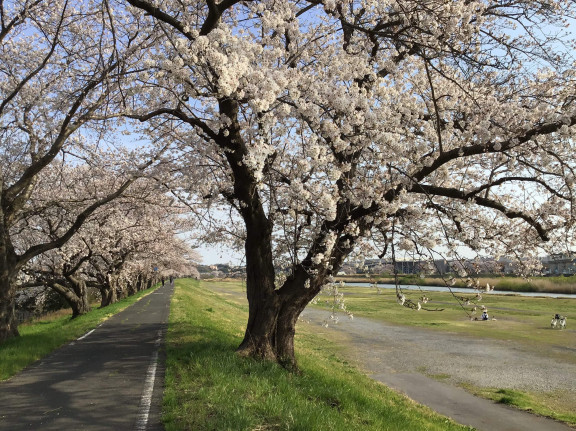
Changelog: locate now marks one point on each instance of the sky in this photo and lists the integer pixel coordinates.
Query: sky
(213, 254)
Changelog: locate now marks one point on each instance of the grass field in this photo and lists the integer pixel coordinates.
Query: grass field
(42, 336)
(524, 320)
(518, 318)
(208, 387)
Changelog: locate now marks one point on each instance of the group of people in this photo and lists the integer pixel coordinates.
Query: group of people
(171, 278)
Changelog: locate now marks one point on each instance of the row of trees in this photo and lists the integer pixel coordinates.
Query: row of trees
(75, 204)
(317, 129)
(122, 248)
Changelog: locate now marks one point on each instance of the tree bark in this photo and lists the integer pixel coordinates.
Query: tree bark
(263, 301)
(139, 283)
(272, 321)
(108, 296)
(80, 304)
(76, 296)
(8, 322)
(108, 291)
(295, 297)
(272, 313)
(9, 267)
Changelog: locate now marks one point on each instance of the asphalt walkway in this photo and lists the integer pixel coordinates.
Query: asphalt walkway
(109, 379)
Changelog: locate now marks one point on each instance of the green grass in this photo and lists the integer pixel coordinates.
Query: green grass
(524, 320)
(556, 405)
(40, 337)
(209, 387)
(518, 318)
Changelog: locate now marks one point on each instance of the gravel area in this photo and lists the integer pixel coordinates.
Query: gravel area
(384, 348)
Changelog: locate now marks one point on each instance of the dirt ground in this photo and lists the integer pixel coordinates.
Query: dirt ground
(382, 347)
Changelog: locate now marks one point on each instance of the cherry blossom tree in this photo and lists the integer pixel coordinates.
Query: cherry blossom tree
(61, 63)
(137, 233)
(115, 250)
(58, 195)
(332, 127)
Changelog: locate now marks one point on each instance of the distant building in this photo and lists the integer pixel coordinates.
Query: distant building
(560, 264)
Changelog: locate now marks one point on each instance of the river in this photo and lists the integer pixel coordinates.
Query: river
(463, 290)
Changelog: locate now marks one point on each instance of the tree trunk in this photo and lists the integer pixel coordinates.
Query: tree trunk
(76, 296)
(139, 283)
(263, 301)
(8, 271)
(108, 296)
(81, 304)
(108, 291)
(272, 313)
(295, 298)
(8, 322)
(272, 323)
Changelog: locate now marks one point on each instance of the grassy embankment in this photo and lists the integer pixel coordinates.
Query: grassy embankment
(209, 387)
(42, 336)
(511, 284)
(520, 319)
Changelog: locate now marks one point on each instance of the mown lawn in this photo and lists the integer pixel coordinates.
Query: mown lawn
(524, 320)
(208, 387)
(518, 318)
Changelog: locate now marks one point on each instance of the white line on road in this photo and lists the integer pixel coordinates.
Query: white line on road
(146, 400)
(85, 335)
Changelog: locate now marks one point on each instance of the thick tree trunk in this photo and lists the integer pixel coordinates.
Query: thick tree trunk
(259, 338)
(263, 301)
(139, 283)
(108, 291)
(272, 323)
(272, 313)
(8, 272)
(108, 295)
(76, 296)
(81, 307)
(81, 304)
(8, 322)
(295, 298)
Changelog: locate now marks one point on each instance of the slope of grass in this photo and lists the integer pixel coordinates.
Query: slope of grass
(208, 387)
(524, 320)
(42, 336)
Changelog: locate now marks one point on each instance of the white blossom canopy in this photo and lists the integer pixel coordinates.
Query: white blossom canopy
(418, 124)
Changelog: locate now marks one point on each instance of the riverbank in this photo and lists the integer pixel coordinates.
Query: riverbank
(516, 360)
(566, 285)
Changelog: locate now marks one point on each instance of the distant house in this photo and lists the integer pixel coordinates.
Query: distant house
(560, 264)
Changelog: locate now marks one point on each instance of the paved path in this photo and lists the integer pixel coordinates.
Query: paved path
(394, 354)
(110, 379)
